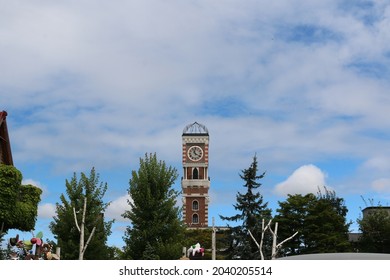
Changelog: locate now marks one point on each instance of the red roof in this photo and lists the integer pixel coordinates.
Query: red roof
(5, 146)
(3, 115)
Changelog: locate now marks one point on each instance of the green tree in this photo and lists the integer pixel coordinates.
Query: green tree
(375, 228)
(157, 230)
(18, 203)
(115, 253)
(64, 228)
(291, 218)
(328, 224)
(252, 210)
(320, 221)
(2, 250)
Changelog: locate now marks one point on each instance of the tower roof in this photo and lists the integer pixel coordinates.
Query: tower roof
(195, 129)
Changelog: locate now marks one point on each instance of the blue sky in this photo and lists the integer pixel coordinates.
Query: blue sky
(303, 84)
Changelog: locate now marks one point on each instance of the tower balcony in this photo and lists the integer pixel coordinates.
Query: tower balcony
(195, 183)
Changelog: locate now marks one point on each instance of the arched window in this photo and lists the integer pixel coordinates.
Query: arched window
(195, 219)
(195, 173)
(195, 205)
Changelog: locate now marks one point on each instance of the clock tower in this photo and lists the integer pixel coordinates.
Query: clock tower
(195, 182)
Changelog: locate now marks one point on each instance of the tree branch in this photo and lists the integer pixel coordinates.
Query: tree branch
(84, 210)
(89, 239)
(75, 219)
(287, 239)
(263, 229)
(275, 248)
(2, 228)
(253, 238)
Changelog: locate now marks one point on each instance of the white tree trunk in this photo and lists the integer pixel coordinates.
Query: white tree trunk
(274, 239)
(81, 229)
(260, 246)
(213, 242)
(275, 247)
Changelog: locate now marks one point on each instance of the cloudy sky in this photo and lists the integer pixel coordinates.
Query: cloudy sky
(302, 84)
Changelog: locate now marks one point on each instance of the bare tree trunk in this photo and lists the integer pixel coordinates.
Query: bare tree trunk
(260, 246)
(1, 229)
(275, 236)
(276, 247)
(58, 252)
(213, 242)
(81, 229)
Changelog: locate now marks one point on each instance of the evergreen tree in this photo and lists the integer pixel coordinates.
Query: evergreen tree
(156, 231)
(64, 227)
(252, 210)
(320, 221)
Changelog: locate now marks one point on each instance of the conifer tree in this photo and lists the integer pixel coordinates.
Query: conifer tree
(156, 230)
(251, 211)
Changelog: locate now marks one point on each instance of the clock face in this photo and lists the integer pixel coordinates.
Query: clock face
(195, 153)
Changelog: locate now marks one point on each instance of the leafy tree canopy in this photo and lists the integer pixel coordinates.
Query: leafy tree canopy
(64, 227)
(320, 221)
(156, 231)
(18, 203)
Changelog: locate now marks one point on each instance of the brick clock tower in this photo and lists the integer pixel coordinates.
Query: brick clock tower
(195, 183)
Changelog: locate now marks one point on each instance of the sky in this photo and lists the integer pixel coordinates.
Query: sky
(303, 85)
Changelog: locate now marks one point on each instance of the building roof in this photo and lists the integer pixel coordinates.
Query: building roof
(3, 115)
(376, 208)
(5, 146)
(370, 209)
(340, 256)
(195, 129)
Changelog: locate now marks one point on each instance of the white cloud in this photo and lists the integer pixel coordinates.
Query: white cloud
(381, 185)
(117, 208)
(113, 81)
(32, 182)
(46, 210)
(305, 179)
(45, 190)
(113, 211)
(377, 164)
(100, 87)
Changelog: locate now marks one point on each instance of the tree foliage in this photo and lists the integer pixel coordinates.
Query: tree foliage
(375, 228)
(251, 211)
(3, 251)
(18, 203)
(157, 230)
(320, 221)
(292, 218)
(64, 227)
